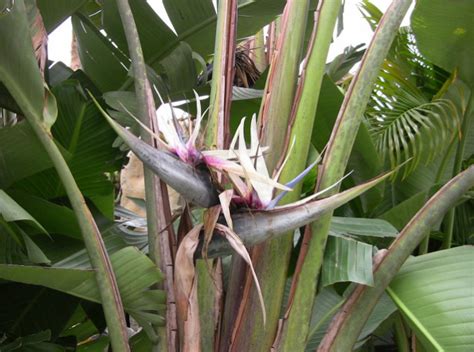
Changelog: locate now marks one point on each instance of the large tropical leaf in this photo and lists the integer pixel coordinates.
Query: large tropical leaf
(16, 242)
(362, 227)
(104, 63)
(21, 77)
(33, 308)
(54, 12)
(56, 218)
(445, 34)
(435, 293)
(399, 215)
(88, 139)
(11, 211)
(349, 321)
(21, 154)
(32, 343)
(346, 259)
(328, 301)
(164, 50)
(135, 275)
(80, 259)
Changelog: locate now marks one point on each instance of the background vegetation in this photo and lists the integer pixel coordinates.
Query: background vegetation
(378, 262)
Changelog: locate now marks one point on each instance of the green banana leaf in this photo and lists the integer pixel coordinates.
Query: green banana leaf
(328, 302)
(346, 259)
(56, 219)
(445, 34)
(21, 154)
(12, 211)
(34, 308)
(54, 12)
(362, 227)
(87, 138)
(32, 343)
(167, 52)
(135, 274)
(435, 293)
(21, 77)
(101, 61)
(16, 246)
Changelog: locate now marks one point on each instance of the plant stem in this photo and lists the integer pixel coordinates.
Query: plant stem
(401, 337)
(293, 337)
(109, 293)
(223, 75)
(335, 161)
(217, 136)
(157, 202)
(468, 115)
(271, 258)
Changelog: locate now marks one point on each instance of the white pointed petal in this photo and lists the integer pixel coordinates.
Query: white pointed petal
(256, 147)
(224, 153)
(197, 126)
(239, 186)
(263, 188)
(225, 198)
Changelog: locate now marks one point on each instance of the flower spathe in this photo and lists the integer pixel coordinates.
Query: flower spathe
(244, 167)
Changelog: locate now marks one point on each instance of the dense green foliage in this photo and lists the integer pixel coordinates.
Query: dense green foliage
(73, 261)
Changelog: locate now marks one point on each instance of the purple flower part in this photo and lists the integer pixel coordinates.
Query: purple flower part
(188, 155)
(291, 184)
(251, 201)
(215, 162)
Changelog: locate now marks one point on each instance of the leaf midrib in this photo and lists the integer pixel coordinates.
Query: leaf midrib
(406, 311)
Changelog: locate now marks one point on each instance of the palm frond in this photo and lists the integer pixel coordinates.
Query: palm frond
(419, 133)
(406, 121)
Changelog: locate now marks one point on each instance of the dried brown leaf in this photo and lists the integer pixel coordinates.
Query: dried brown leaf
(186, 292)
(237, 244)
(39, 36)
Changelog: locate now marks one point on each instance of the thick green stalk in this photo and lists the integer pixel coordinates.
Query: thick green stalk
(335, 161)
(217, 136)
(401, 337)
(222, 75)
(157, 202)
(270, 259)
(305, 106)
(347, 324)
(280, 87)
(109, 293)
(468, 116)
